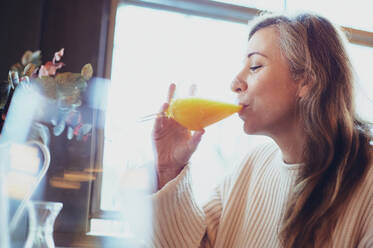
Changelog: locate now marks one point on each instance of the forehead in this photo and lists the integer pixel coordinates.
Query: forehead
(266, 41)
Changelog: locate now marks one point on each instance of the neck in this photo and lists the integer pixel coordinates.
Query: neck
(291, 143)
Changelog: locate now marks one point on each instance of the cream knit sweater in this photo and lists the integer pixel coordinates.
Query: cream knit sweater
(245, 211)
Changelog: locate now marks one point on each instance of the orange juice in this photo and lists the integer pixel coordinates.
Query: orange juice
(197, 113)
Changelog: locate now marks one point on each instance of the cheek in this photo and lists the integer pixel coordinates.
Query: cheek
(275, 91)
(268, 105)
(261, 94)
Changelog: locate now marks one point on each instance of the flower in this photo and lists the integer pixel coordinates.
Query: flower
(50, 68)
(63, 90)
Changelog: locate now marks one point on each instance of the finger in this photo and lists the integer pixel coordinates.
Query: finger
(171, 92)
(164, 107)
(195, 140)
(193, 90)
(158, 125)
(159, 121)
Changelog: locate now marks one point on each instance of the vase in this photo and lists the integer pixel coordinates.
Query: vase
(42, 215)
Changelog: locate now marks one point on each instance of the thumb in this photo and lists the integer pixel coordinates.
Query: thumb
(195, 139)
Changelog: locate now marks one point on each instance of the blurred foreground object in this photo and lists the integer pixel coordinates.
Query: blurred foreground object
(25, 169)
(62, 92)
(42, 215)
(34, 99)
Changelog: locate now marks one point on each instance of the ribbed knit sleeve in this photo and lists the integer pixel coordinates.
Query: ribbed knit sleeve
(366, 240)
(213, 210)
(178, 221)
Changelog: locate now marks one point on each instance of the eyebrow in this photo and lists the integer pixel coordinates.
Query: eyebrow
(257, 53)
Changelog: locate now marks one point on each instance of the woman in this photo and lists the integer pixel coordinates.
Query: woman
(311, 187)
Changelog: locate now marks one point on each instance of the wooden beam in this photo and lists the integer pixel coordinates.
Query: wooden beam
(359, 36)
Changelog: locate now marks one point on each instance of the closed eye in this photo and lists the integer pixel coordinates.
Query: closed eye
(254, 68)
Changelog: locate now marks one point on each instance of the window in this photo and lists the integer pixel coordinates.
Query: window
(361, 58)
(157, 44)
(355, 14)
(270, 5)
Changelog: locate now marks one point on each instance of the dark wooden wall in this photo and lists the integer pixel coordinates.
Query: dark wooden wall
(81, 27)
(20, 29)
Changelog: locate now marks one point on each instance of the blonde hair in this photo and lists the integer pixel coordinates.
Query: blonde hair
(337, 151)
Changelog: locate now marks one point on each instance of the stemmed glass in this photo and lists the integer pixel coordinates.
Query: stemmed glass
(42, 215)
(195, 113)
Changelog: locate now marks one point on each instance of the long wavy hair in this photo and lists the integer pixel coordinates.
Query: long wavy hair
(337, 150)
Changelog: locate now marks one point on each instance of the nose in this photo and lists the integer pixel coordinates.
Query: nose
(238, 85)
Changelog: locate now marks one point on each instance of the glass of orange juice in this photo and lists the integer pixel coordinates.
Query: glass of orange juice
(197, 113)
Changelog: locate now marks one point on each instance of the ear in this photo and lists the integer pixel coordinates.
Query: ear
(303, 89)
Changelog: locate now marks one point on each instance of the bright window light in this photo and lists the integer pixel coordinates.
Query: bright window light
(153, 48)
(362, 57)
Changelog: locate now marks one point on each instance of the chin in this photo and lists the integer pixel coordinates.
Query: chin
(249, 129)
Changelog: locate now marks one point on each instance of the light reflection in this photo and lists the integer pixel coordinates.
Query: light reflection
(93, 170)
(17, 190)
(21, 113)
(135, 186)
(22, 167)
(71, 179)
(24, 158)
(62, 183)
(78, 176)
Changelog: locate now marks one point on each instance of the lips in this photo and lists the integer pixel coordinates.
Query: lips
(242, 111)
(244, 106)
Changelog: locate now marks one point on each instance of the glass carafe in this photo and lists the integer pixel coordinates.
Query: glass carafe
(42, 215)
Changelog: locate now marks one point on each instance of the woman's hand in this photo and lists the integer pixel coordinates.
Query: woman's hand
(174, 144)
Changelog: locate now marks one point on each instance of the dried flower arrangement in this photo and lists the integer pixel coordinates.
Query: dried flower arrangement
(63, 91)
